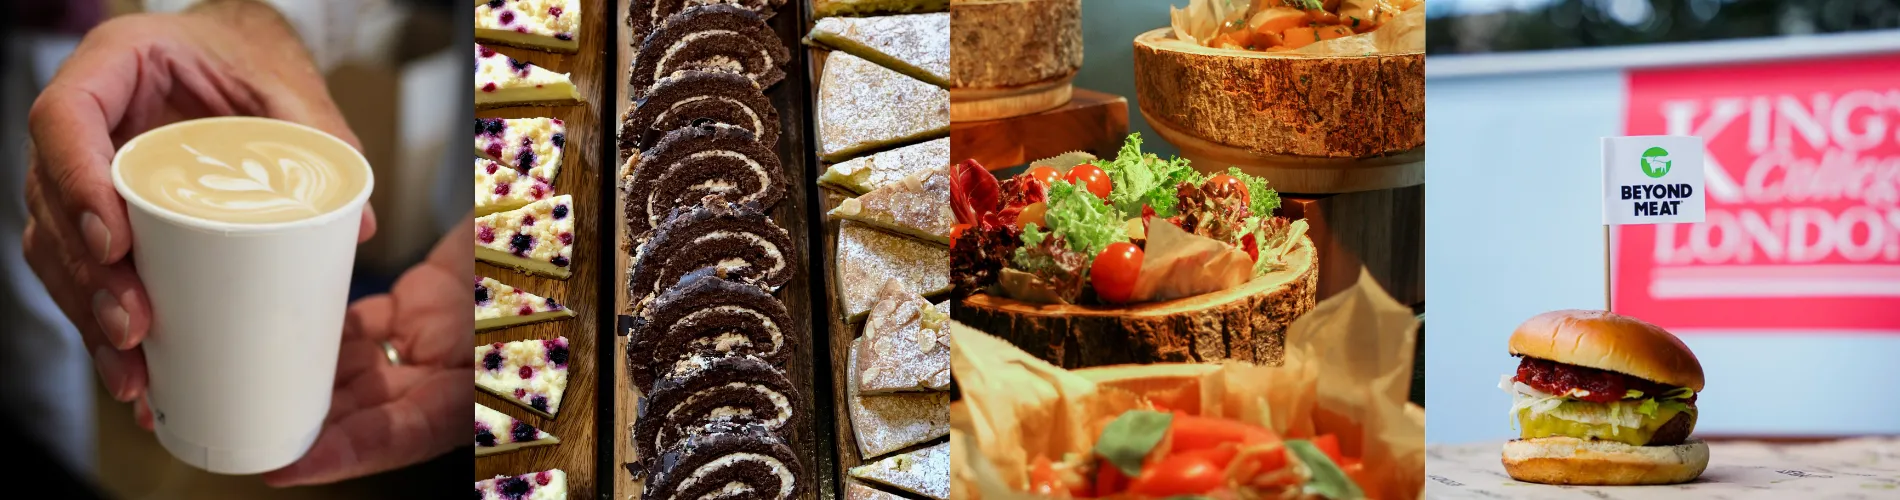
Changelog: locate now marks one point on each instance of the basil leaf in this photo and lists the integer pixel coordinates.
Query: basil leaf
(1328, 480)
(1190, 497)
(1127, 440)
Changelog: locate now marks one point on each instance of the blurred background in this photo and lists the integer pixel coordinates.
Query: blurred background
(1789, 294)
(389, 79)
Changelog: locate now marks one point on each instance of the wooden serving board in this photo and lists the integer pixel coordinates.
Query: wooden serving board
(582, 172)
(793, 98)
(1245, 323)
(1095, 122)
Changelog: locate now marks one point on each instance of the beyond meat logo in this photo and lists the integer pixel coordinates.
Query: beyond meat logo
(1656, 163)
(1803, 184)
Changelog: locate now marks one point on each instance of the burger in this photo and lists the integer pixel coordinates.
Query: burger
(1602, 399)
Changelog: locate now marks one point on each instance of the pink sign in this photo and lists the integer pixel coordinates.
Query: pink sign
(1803, 184)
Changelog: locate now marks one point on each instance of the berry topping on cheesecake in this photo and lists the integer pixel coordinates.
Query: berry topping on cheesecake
(545, 485)
(498, 305)
(496, 432)
(533, 146)
(550, 25)
(537, 238)
(499, 188)
(531, 373)
(505, 81)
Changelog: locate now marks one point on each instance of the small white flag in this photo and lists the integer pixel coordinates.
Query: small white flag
(1653, 179)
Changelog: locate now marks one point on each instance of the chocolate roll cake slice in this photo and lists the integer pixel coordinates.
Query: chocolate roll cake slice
(706, 315)
(729, 461)
(707, 390)
(738, 240)
(645, 15)
(691, 98)
(694, 162)
(711, 38)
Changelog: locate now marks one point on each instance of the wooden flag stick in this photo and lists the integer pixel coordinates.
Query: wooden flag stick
(1606, 268)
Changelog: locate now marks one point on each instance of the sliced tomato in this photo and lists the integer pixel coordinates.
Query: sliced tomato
(1328, 444)
(1260, 463)
(955, 231)
(1194, 433)
(1179, 474)
(1092, 178)
(1220, 455)
(1114, 271)
(1108, 479)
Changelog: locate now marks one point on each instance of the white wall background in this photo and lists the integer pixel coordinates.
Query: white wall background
(1514, 229)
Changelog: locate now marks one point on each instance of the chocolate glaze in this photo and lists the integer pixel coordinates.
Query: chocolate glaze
(654, 431)
(751, 44)
(643, 124)
(663, 337)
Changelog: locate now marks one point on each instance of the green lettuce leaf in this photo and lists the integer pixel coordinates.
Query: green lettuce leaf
(1262, 199)
(1083, 221)
(1144, 179)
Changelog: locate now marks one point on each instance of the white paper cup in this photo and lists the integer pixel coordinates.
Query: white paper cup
(246, 322)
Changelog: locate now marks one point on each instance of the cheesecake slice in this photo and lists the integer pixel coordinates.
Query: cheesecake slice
(530, 373)
(917, 205)
(866, 173)
(545, 485)
(498, 305)
(496, 432)
(923, 472)
(917, 45)
(906, 344)
(551, 25)
(505, 81)
(499, 188)
(867, 258)
(829, 8)
(864, 107)
(855, 490)
(535, 239)
(531, 145)
(886, 423)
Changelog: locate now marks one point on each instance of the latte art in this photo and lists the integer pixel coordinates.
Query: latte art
(242, 171)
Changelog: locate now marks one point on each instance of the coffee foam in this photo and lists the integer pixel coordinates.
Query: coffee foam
(243, 171)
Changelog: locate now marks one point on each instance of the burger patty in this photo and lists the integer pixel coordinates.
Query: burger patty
(1604, 386)
(1674, 432)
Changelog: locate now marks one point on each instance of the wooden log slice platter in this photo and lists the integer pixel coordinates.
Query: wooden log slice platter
(1298, 174)
(975, 105)
(1275, 105)
(1246, 323)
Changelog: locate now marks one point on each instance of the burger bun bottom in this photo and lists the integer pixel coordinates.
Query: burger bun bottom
(1566, 460)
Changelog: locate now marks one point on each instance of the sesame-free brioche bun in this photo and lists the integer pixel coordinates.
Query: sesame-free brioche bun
(1608, 341)
(1566, 460)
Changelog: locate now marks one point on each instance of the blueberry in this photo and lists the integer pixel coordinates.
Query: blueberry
(490, 126)
(515, 487)
(484, 438)
(558, 355)
(492, 361)
(478, 494)
(558, 260)
(519, 65)
(496, 4)
(520, 243)
(563, 36)
(553, 306)
(560, 212)
(522, 432)
(525, 159)
(560, 140)
(481, 295)
(539, 403)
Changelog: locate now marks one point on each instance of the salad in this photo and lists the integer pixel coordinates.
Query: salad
(1144, 454)
(1136, 228)
(1280, 25)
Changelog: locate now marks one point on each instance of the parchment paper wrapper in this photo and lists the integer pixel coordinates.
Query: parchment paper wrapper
(1855, 468)
(1347, 372)
(1180, 264)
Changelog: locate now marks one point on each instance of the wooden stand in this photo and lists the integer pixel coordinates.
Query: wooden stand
(1383, 230)
(969, 105)
(1091, 121)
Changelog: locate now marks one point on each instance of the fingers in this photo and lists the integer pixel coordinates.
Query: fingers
(368, 229)
(71, 125)
(424, 422)
(105, 303)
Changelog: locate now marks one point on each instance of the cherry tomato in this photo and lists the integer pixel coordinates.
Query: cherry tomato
(1251, 245)
(1223, 184)
(1042, 477)
(1045, 173)
(1114, 272)
(1197, 433)
(1108, 479)
(1220, 455)
(956, 231)
(1092, 177)
(1177, 475)
(1328, 444)
(1032, 213)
